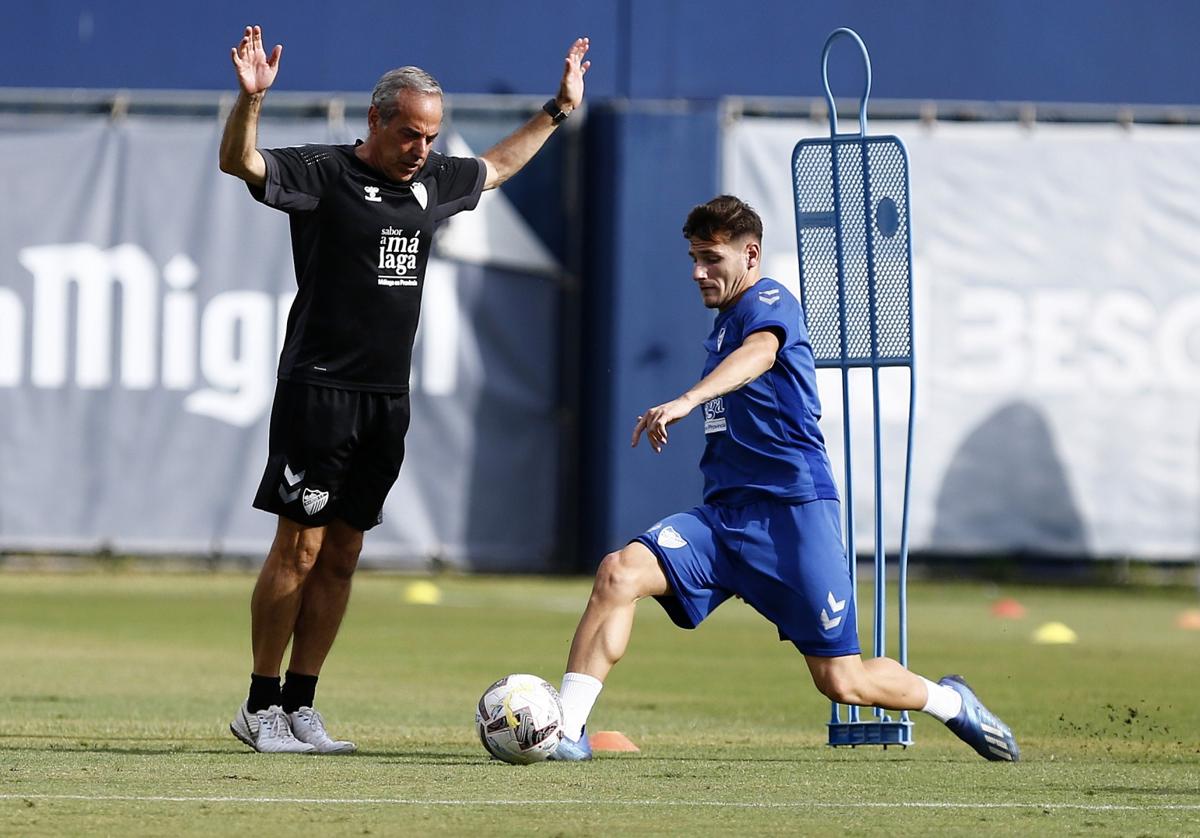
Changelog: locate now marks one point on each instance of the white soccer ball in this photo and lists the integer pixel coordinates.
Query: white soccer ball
(519, 719)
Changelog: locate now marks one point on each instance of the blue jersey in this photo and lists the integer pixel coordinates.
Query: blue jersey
(762, 441)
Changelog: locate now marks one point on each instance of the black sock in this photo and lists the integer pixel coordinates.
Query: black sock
(264, 692)
(298, 691)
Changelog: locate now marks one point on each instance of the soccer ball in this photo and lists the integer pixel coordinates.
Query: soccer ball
(519, 719)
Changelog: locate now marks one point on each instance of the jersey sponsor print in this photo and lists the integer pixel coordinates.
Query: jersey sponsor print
(763, 440)
(360, 244)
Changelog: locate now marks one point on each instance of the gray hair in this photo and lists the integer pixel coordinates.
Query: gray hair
(403, 78)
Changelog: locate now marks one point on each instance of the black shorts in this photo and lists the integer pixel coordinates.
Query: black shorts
(332, 454)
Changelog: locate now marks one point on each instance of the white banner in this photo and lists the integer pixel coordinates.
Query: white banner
(1057, 320)
(143, 299)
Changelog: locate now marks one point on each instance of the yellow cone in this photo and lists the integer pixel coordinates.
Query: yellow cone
(422, 593)
(1054, 633)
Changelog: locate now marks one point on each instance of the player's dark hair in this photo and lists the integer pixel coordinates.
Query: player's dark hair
(394, 81)
(723, 219)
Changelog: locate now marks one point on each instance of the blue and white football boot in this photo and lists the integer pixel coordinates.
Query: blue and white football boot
(978, 726)
(573, 750)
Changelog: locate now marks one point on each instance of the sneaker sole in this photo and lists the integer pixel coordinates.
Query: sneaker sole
(233, 729)
(338, 751)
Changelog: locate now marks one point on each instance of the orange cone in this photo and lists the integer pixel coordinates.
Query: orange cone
(1189, 620)
(611, 740)
(1008, 609)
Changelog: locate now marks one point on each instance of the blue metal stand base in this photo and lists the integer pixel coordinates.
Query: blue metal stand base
(870, 733)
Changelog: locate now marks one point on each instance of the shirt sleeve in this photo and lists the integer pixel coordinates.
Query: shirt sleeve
(460, 183)
(771, 306)
(296, 177)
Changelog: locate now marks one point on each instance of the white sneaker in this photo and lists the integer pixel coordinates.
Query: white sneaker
(308, 726)
(268, 732)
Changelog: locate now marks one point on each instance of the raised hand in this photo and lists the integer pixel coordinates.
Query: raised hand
(570, 89)
(255, 69)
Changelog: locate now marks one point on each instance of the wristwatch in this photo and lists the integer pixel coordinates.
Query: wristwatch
(556, 113)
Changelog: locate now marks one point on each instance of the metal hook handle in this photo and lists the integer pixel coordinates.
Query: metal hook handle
(862, 101)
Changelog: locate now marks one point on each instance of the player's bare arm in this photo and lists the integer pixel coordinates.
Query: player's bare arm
(505, 158)
(256, 73)
(754, 357)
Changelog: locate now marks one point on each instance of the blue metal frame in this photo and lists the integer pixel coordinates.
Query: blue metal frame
(883, 730)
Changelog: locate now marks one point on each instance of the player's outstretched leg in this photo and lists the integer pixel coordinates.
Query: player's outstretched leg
(883, 682)
(979, 727)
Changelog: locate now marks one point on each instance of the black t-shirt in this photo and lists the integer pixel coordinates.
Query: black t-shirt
(360, 244)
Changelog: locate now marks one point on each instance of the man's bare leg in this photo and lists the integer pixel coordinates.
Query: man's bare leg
(603, 633)
(877, 682)
(324, 598)
(275, 603)
(261, 722)
(883, 682)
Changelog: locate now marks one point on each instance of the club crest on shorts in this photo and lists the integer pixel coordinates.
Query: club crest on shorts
(669, 538)
(314, 501)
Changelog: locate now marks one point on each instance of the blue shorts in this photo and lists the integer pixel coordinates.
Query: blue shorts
(785, 560)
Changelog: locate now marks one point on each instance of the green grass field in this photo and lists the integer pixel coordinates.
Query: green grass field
(116, 690)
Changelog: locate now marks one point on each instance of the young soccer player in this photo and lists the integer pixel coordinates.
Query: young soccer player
(769, 528)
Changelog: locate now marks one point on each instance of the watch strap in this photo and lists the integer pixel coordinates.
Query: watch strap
(554, 111)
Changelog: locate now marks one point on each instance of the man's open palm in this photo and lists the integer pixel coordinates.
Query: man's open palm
(255, 69)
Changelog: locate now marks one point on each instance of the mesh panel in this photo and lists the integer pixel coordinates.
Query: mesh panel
(888, 169)
(867, 205)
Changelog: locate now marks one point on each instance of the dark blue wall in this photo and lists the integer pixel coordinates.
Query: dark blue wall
(327, 46)
(644, 322)
(1117, 51)
(342, 46)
